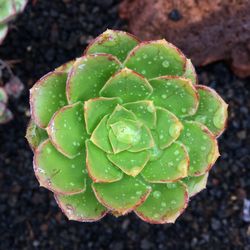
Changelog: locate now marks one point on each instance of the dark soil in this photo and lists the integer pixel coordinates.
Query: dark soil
(48, 34)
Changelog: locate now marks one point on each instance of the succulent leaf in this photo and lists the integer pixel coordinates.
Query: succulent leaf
(83, 207)
(168, 127)
(143, 58)
(3, 32)
(3, 96)
(121, 113)
(88, 75)
(8, 11)
(100, 136)
(95, 109)
(47, 96)
(190, 72)
(195, 184)
(122, 196)
(6, 116)
(117, 145)
(35, 135)
(100, 169)
(114, 42)
(171, 166)
(128, 85)
(145, 111)
(130, 163)
(212, 110)
(164, 204)
(175, 94)
(58, 173)
(67, 131)
(201, 146)
(146, 140)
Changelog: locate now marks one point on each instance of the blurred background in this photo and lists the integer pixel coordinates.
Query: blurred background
(215, 34)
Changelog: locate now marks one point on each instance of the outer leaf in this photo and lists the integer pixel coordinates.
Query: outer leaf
(57, 172)
(170, 167)
(83, 207)
(96, 109)
(66, 130)
(201, 146)
(176, 94)
(114, 42)
(168, 127)
(156, 58)
(47, 96)
(100, 136)
(100, 169)
(130, 163)
(212, 110)
(88, 75)
(145, 111)
(195, 184)
(165, 203)
(122, 196)
(35, 135)
(128, 85)
(190, 72)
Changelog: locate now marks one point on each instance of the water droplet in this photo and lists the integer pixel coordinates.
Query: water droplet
(176, 152)
(156, 216)
(48, 150)
(157, 194)
(143, 72)
(163, 204)
(183, 110)
(138, 192)
(165, 64)
(173, 202)
(203, 148)
(201, 118)
(150, 108)
(163, 96)
(174, 130)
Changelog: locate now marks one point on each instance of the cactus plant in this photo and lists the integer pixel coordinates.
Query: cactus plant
(124, 128)
(8, 10)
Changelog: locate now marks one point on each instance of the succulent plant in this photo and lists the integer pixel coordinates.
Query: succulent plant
(124, 128)
(8, 10)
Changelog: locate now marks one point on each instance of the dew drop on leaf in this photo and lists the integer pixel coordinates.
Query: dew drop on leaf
(165, 64)
(157, 194)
